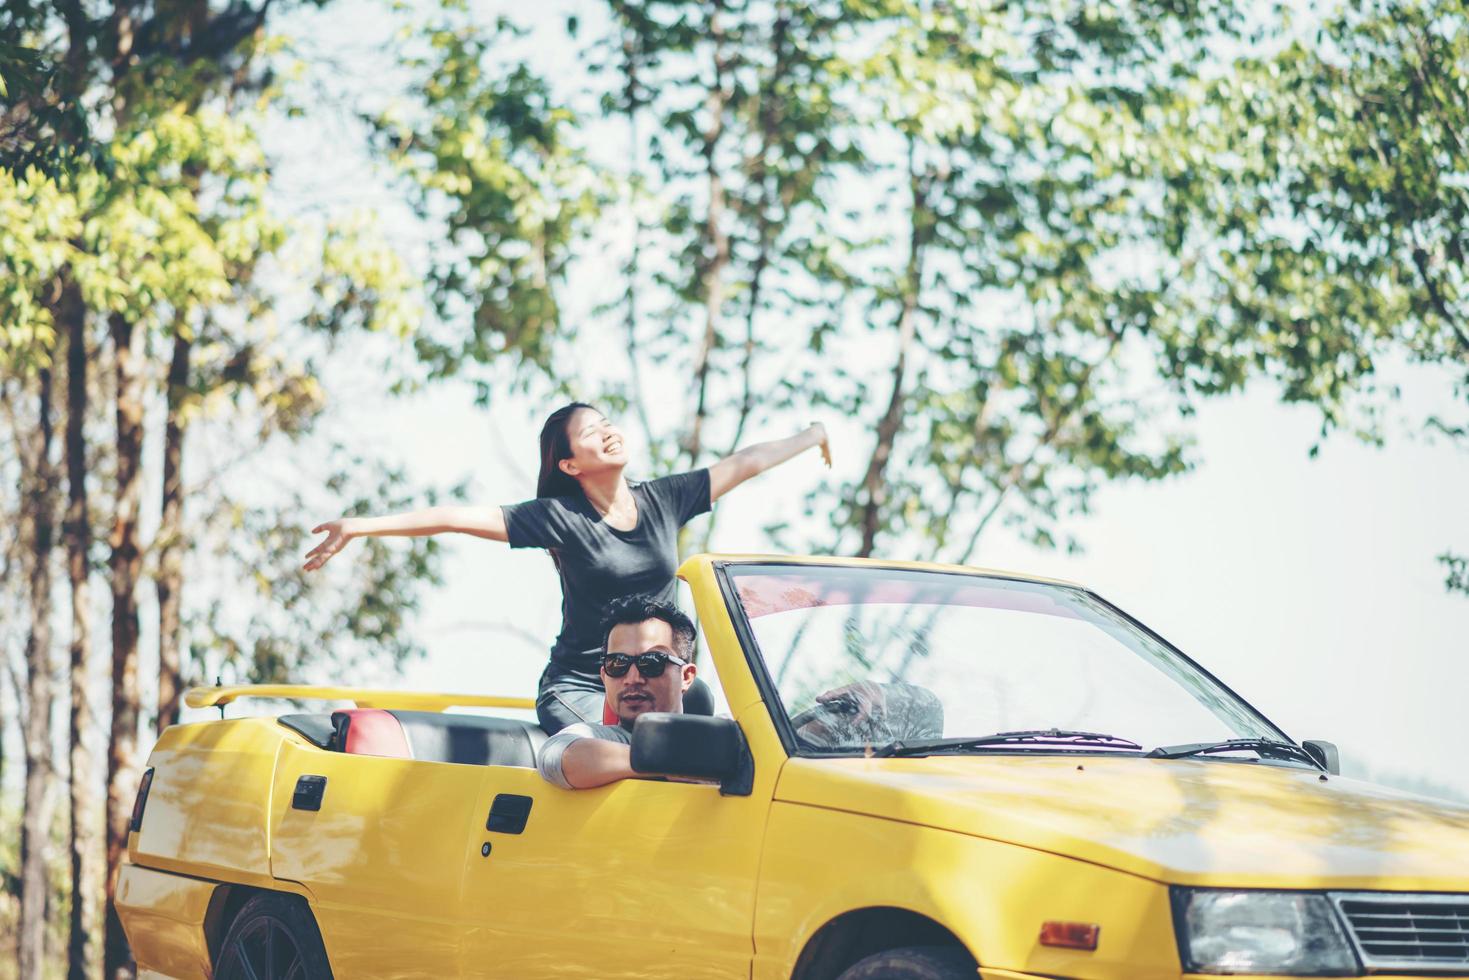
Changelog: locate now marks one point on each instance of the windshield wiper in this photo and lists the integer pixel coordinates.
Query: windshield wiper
(1266, 747)
(1038, 736)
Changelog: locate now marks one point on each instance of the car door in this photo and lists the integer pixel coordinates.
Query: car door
(382, 856)
(642, 879)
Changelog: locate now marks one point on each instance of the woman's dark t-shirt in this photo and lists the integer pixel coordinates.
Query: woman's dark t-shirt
(599, 563)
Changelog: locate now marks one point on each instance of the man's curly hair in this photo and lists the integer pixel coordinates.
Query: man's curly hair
(641, 608)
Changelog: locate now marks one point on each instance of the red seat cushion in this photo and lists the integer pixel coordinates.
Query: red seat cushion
(609, 717)
(371, 731)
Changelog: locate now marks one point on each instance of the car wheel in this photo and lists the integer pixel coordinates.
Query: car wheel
(914, 963)
(273, 937)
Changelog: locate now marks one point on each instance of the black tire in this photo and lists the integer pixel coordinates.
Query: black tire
(914, 963)
(273, 937)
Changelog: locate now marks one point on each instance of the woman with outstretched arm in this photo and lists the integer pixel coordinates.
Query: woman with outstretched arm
(608, 537)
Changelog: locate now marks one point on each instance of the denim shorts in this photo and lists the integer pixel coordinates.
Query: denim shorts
(567, 697)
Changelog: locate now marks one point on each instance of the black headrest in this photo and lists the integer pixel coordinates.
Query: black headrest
(317, 728)
(475, 740)
(698, 699)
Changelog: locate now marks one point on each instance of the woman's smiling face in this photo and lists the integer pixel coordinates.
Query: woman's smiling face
(596, 444)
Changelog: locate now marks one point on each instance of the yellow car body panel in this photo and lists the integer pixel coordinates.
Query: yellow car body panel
(725, 649)
(209, 805)
(212, 697)
(169, 909)
(658, 878)
(653, 880)
(382, 858)
(993, 896)
(701, 567)
(1185, 821)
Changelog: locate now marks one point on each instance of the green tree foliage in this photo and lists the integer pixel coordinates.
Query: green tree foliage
(38, 221)
(734, 133)
(486, 151)
(1458, 572)
(960, 187)
(168, 234)
(1027, 316)
(38, 100)
(294, 630)
(1316, 215)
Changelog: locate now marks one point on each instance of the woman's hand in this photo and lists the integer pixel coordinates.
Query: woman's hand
(338, 533)
(751, 461)
(482, 522)
(819, 431)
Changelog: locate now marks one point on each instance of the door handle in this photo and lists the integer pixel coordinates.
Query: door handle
(509, 813)
(309, 791)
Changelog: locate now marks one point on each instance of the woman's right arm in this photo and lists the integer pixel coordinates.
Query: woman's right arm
(482, 522)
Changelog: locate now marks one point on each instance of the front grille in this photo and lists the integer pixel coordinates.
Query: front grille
(1418, 933)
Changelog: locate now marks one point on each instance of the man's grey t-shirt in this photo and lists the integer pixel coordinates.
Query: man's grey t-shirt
(599, 563)
(548, 758)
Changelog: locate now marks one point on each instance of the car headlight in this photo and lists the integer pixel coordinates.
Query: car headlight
(1294, 934)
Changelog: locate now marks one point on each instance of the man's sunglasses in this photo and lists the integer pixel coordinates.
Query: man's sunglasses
(649, 664)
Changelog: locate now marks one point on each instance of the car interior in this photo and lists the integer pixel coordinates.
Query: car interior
(434, 736)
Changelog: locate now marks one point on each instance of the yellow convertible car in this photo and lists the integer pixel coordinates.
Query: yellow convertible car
(914, 772)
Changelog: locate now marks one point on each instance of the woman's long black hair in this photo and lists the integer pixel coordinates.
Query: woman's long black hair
(556, 446)
(553, 481)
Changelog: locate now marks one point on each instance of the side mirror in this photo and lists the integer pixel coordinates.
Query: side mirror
(1325, 754)
(694, 747)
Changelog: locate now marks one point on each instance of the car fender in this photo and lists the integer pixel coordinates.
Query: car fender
(208, 810)
(992, 896)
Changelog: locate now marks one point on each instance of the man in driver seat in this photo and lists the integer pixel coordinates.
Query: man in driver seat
(647, 665)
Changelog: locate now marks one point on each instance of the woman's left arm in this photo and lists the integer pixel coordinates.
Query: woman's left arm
(735, 469)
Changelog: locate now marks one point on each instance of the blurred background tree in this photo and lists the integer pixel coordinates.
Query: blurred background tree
(1316, 220)
(154, 260)
(765, 143)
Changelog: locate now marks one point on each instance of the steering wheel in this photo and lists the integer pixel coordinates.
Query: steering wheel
(829, 711)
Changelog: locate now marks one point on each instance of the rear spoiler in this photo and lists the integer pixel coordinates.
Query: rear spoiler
(209, 697)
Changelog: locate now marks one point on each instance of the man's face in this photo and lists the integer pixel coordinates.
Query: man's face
(632, 694)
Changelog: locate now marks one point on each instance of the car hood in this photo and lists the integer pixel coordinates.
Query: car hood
(1184, 821)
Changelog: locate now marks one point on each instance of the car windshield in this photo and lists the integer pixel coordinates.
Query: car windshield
(862, 658)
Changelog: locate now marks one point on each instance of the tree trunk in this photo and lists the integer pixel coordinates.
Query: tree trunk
(7, 565)
(769, 116)
(35, 829)
(632, 100)
(126, 567)
(170, 536)
(86, 812)
(874, 484)
(2, 728)
(715, 238)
